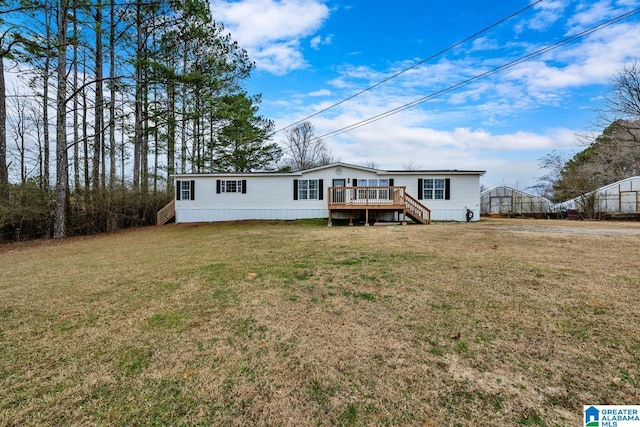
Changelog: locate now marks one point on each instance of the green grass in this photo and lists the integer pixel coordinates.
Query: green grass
(273, 323)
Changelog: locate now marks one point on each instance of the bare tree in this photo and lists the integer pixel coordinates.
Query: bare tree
(623, 105)
(304, 149)
(553, 164)
(411, 166)
(62, 158)
(17, 123)
(326, 158)
(7, 42)
(371, 164)
(624, 100)
(4, 177)
(97, 176)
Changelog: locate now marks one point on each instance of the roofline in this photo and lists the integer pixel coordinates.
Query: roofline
(603, 188)
(334, 165)
(339, 164)
(515, 189)
(232, 174)
(613, 184)
(436, 171)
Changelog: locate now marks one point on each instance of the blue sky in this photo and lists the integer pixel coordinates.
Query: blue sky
(311, 54)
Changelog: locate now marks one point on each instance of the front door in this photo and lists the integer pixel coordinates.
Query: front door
(338, 191)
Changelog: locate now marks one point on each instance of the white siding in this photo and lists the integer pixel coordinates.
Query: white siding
(271, 196)
(464, 193)
(267, 197)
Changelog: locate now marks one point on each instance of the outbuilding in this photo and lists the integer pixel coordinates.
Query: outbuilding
(620, 199)
(509, 202)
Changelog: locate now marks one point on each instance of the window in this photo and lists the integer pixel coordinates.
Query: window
(374, 193)
(231, 186)
(185, 190)
(307, 189)
(434, 188)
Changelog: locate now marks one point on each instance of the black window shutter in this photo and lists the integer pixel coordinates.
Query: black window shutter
(244, 186)
(320, 188)
(217, 186)
(355, 182)
(390, 190)
(178, 188)
(420, 189)
(447, 189)
(295, 189)
(391, 182)
(193, 189)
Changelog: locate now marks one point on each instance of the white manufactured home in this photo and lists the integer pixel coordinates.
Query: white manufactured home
(336, 191)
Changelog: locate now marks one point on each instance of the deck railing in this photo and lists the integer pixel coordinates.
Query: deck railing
(393, 198)
(366, 196)
(418, 210)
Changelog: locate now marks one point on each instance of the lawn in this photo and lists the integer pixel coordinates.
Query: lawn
(501, 322)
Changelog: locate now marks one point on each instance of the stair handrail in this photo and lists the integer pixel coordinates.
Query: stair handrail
(417, 209)
(166, 213)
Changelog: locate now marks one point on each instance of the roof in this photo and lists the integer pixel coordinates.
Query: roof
(514, 190)
(335, 165)
(602, 189)
(607, 187)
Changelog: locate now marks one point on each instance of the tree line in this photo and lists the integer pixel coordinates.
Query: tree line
(114, 97)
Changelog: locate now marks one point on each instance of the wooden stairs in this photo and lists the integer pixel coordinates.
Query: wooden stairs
(416, 210)
(166, 214)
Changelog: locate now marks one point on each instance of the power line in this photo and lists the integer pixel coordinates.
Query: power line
(435, 55)
(480, 76)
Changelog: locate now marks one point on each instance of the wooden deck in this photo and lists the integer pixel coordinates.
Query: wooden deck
(388, 199)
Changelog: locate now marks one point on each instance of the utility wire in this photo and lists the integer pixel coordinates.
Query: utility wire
(435, 55)
(480, 76)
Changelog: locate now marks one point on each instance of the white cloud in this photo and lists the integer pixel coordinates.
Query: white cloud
(593, 61)
(392, 146)
(317, 41)
(628, 3)
(547, 14)
(592, 13)
(339, 82)
(279, 58)
(484, 43)
(321, 92)
(410, 137)
(272, 30)
(589, 15)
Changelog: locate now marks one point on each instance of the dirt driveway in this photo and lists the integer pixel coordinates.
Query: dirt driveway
(610, 228)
